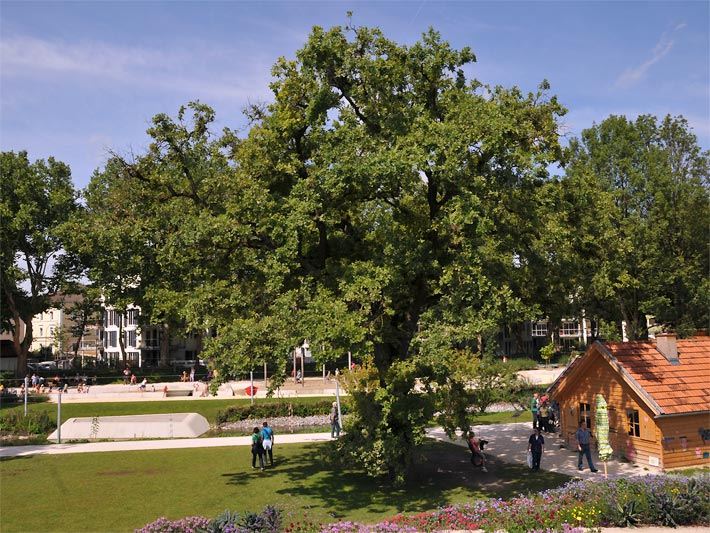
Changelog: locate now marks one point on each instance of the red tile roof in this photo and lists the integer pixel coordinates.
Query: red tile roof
(679, 388)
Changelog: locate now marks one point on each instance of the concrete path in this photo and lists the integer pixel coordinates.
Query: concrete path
(312, 386)
(509, 443)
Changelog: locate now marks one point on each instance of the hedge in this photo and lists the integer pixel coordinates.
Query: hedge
(259, 411)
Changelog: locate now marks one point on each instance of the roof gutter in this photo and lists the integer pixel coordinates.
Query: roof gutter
(673, 415)
(638, 389)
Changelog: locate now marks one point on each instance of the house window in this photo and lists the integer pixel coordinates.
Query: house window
(585, 414)
(570, 329)
(634, 426)
(130, 337)
(132, 317)
(51, 315)
(112, 339)
(151, 339)
(539, 329)
(40, 332)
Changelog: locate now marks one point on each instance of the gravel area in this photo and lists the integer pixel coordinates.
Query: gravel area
(285, 423)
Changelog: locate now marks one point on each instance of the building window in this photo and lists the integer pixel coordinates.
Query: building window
(40, 332)
(570, 329)
(130, 337)
(585, 414)
(634, 426)
(132, 317)
(151, 339)
(539, 329)
(112, 339)
(51, 315)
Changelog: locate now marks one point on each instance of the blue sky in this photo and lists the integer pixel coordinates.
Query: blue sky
(80, 78)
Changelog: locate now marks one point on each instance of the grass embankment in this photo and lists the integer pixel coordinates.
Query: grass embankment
(70, 492)
(207, 408)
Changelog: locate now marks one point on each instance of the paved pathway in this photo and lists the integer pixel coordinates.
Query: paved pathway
(312, 386)
(509, 443)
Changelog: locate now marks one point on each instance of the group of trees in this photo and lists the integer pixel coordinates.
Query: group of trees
(384, 204)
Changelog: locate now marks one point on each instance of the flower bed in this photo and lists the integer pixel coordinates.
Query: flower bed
(661, 500)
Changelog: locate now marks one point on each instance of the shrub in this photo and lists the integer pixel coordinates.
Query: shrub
(521, 363)
(268, 521)
(260, 411)
(35, 423)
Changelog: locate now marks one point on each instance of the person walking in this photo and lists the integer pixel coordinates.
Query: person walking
(334, 421)
(534, 407)
(267, 437)
(536, 445)
(583, 442)
(257, 449)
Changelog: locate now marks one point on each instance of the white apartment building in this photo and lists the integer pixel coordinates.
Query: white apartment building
(54, 333)
(528, 337)
(44, 328)
(142, 343)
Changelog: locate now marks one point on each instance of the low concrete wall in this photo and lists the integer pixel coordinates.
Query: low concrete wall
(165, 426)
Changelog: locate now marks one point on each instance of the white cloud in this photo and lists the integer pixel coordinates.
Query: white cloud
(200, 72)
(633, 74)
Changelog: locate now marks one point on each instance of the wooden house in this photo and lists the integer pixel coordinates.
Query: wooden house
(658, 396)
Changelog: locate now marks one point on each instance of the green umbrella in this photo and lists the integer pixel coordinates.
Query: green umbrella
(605, 450)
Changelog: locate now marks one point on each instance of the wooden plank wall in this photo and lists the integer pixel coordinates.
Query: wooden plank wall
(684, 446)
(594, 377)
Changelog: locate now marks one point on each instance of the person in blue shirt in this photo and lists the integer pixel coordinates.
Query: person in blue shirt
(267, 438)
(583, 442)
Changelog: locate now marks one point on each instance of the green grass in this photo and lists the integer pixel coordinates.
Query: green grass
(207, 407)
(504, 417)
(124, 490)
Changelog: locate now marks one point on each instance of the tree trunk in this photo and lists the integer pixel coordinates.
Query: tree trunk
(22, 346)
(164, 345)
(121, 344)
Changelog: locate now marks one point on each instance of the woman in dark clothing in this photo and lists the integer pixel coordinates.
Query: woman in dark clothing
(257, 449)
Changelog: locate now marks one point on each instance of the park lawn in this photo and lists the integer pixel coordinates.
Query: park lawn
(206, 407)
(502, 417)
(121, 491)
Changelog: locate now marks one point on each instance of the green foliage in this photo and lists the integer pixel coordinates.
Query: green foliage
(265, 411)
(35, 423)
(387, 421)
(382, 196)
(35, 200)
(636, 190)
(547, 352)
(609, 331)
(516, 364)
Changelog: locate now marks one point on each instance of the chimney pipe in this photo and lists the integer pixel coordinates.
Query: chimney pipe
(667, 345)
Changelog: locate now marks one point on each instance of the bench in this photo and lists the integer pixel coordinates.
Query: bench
(178, 392)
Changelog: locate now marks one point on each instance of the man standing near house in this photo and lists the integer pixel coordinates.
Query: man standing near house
(583, 442)
(536, 445)
(534, 407)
